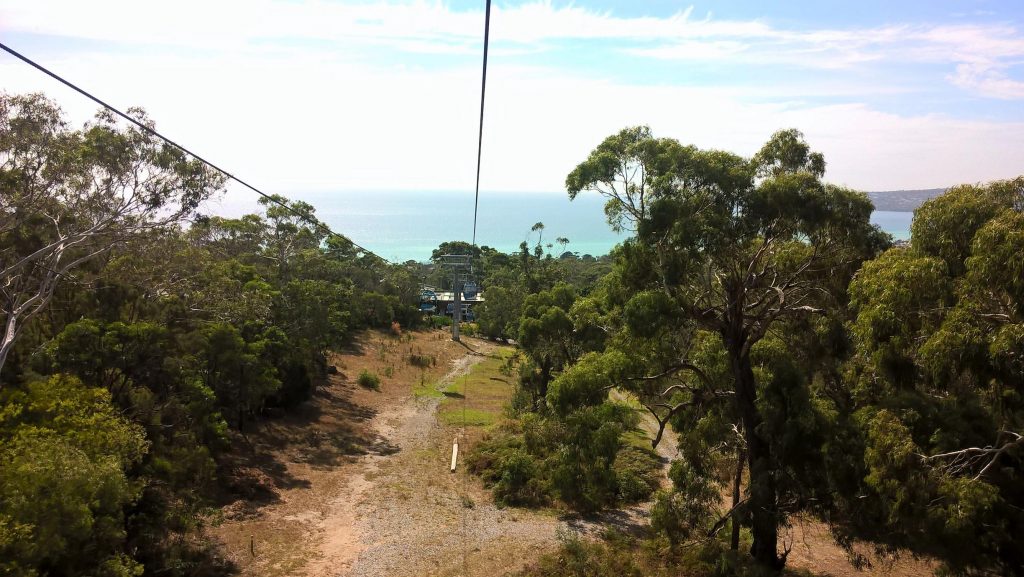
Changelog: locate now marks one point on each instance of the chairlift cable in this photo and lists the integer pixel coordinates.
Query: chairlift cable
(480, 137)
(476, 207)
(285, 205)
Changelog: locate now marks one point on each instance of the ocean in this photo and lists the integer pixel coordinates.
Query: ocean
(403, 226)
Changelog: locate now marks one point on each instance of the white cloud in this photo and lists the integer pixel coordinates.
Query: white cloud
(432, 27)
(308, 115)
(987, 79)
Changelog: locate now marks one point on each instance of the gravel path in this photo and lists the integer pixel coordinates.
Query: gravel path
(394, 508)
(420, 519)
(407, 514)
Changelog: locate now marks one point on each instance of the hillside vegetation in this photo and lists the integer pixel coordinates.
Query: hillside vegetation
(805, 369)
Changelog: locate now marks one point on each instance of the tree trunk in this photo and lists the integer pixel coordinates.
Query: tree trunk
(7, 338)
(4, 349)
(741, 454)
(763, 505)
(545, 378)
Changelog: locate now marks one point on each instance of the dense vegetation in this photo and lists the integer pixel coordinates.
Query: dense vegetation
(802, 364)
(138, 348)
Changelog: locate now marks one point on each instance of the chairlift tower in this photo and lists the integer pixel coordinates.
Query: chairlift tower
(461, 268)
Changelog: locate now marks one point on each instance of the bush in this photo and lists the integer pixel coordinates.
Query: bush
(422, 361)
(690, 508)
(518, 483)
(580, 461)
(369, 380)
(486, 457)
(439, 322)
(637, 472)
(620, 555)
(581, 557)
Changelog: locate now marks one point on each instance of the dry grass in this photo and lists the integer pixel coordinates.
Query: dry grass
(283, 478)
(299, 479)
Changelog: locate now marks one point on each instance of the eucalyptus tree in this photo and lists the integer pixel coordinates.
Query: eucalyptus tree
(939, 333)
(68, 196)
(732, 248)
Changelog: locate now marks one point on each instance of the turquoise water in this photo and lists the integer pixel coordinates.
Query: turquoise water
(404, 226)
(895, 223)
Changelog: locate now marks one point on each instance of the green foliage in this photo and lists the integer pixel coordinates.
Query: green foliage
(191, 332)
(945, 226)
(583, 384)
(518, 483)
(727, 251)
(64, 454)
(439, 321)
(688, 512)
(637, 470)
(368, 380)
(648, 556)
(579, 460)
(499, 314)
(70, 196)
(937, 411)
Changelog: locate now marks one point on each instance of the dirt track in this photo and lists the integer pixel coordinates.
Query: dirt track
(358, 484)
(394, 510)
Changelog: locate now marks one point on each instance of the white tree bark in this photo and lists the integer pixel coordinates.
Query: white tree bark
(66, 197)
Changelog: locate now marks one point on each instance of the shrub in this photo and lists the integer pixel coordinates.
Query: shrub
(618, 555)
(369, 380)
(637, 472)
(486, 457)
(422, 361)
(633, 489)
(580, 461)
(518, 483)
(690, 508)
(516, 477)
(439, 321)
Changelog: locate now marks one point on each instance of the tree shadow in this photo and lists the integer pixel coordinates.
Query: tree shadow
(632, 520)
(323, 432)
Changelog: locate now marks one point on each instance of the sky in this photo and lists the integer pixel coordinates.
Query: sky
(329, 96)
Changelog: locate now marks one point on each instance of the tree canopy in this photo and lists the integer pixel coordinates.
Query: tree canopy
(726, 249)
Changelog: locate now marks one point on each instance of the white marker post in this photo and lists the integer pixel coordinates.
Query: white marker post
(455, 453)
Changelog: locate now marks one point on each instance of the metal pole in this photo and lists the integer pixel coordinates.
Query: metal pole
(457, 316)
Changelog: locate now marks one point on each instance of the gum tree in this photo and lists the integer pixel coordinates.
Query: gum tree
(939, 334)
(68, 196)
(735, 248)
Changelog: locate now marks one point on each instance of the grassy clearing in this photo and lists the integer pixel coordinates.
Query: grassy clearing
(639, 440)
(471, 418)
(426, 390)
(482, 394)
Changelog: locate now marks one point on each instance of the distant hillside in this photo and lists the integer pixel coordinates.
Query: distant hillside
(902, 200)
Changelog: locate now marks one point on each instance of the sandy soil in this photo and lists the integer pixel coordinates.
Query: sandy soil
(390, 505)
(357, 483)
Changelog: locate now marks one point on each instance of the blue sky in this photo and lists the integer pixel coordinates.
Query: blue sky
(303, 95)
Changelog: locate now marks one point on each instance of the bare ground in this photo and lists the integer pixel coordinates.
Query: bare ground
(357, 483)
(391, 506)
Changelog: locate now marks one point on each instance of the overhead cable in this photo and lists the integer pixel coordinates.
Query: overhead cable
(480, 137)
(273, 199)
